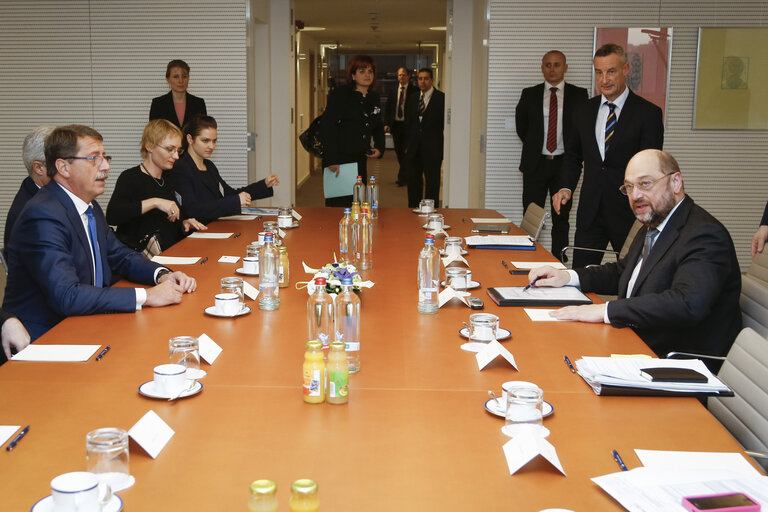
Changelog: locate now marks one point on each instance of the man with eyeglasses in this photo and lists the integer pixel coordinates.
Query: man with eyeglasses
(62, 255)
(608, 130)
(678, 286)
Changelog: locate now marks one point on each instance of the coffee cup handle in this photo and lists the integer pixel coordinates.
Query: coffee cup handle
(105, 493)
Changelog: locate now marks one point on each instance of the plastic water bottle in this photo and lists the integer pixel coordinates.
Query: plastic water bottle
(347, 309)
(320, 315)
(373, 197)
(365, 241)
(346, 242)
(429, 277)
(269, 298)
(358, 191)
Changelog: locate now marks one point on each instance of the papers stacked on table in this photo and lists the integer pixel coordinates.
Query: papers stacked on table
(621, 376)
(522, 242)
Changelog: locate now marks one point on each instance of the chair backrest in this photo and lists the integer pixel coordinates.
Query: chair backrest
(3, 276)
(533, 220)
(759, 267)
(754, 304)
(630, 236)
(745, 371)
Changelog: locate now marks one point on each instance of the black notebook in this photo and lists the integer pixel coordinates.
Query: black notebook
(668, 374)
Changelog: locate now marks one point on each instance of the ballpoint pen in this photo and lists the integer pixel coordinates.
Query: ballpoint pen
(532, 283)
(504, 263)
(618, 460)
(16, 439)
(568, 362)
(204, 260)
(101, 354)
(236, 235)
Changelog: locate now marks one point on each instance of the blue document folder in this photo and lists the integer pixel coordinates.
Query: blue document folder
(334, 186)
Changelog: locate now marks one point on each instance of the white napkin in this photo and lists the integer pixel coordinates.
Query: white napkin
(454, 257)
(437, 232)
(449, 293)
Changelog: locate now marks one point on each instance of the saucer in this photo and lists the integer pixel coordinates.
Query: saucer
(115, 504)
(495, 407)
(445, 226)
(211, 310)
(294, 225)
(464, 252)
(148, 389)
(472, 285)
(512, 430)
(241, 270)
(418, 210)
(195, 374)
(501, 334)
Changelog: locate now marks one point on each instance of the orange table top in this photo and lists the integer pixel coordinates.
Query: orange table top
(414, 436)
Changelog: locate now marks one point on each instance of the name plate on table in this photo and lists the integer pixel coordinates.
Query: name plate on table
(515, 296)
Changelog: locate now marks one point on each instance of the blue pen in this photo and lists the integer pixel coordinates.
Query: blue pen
(568, 362)
(618, 460)
(16, 439)
(101, 354)
(532, 283)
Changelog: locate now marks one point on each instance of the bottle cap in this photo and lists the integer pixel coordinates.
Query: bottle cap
(346, 280)
(263, 487)
(364, 210)
(320, 281)
(360, 178)
(282, 248)
(373, 178)
(347, 210)
(268, 237)
(314, 345)
(304, 486)
(338, 345)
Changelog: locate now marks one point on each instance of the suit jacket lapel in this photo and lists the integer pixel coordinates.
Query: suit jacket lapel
(592, 117)
(630, 261)
(77, 223)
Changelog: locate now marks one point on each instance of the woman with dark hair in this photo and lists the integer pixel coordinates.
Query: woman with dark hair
(351, 119)
(178, 105)
(143, 203)
(204, 194)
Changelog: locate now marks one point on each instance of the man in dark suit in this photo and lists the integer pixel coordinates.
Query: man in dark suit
(33, 154)
(609, 130)
(679, 284)
(425, 117)
(62, 254)
(394, 121)
(543, 122)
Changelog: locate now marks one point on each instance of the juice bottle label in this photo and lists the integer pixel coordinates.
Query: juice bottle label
(352, 346)
(312, 382)
(281, 275)
(338, 384)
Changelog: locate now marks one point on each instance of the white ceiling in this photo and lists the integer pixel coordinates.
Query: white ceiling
(385, 25)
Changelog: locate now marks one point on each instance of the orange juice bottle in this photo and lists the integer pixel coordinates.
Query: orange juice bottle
(355, 210)
(338, 374)
(314, 373)
(304, 496)
(263, 496)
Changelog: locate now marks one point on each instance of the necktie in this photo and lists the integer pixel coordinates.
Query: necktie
(400, 101)
(650, 238)
(610, 126)
(552, 127)
(421, 104)
(98, 272)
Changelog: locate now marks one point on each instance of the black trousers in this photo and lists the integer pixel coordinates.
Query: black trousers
(397, 129)
(538, 187)
(423, 174)
(346, 201)
(606, 228)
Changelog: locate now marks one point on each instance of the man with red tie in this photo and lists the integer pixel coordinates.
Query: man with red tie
(394, 121)
(543, 120)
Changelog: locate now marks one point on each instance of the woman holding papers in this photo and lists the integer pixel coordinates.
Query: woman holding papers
(143, 205)
(351, 119)
(202, 191)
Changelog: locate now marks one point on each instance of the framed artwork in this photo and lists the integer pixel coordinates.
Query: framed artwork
(649, 52)
(732, 64)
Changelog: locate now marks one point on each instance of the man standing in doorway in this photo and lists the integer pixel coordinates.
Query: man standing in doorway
(394, 122)
(543, 118)
(609, 130)
(425, 116)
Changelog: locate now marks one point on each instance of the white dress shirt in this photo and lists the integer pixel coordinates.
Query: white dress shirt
(602, 117)
(560, 94)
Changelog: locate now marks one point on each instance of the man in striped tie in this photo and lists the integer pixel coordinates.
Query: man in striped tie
(543, 120)
(608, 131)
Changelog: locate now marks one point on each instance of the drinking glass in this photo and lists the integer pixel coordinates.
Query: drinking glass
(233, 285)
(483, 327)
(107, 457)
(524, 410)
(185, 350)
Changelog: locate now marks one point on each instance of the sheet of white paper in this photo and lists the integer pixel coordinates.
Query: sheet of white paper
(529, 265)
(541, 315)
(229, 259)
(661, 459)
(491, 351)
(217, 236)
(175, 260)
(56, 353)
(632, 356)
(449, 293)
(6, 432)
(296, 215)
(238, 217)
(281, 233)
(490, 220)
(151, 433)
(249, 290)
(209, 349)
(524, 447)
(521, 240)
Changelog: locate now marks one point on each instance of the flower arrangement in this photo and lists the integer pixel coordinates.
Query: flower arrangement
(334, 273)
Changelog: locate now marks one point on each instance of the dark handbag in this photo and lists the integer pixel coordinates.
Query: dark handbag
(310, 138)
(149, 246)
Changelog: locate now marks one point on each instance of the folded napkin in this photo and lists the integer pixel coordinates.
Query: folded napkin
(437, 232)
(449, 293)
(454, 257)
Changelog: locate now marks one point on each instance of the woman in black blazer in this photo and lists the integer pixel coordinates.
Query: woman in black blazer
(202, 192)
(178, 105)
(351, 118)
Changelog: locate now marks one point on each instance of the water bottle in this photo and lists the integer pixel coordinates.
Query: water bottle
(355, 242)
(373, 197)
(347, 309)
(346, 242)
(429, 277)
(269, 298)
(320, 315)
(358, 191)
(365, 241)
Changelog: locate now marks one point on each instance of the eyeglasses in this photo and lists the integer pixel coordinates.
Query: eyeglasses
(170, 149)
(645, 186)
(95, 160)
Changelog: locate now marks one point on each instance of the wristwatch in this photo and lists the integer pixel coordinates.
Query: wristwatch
(161, 273)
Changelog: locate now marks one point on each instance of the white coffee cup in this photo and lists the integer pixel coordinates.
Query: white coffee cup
(227, 304)
(79, 491)
(284, 221)
(170, 379)
(251, 264)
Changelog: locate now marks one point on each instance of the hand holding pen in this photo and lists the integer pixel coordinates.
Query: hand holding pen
(548, 276)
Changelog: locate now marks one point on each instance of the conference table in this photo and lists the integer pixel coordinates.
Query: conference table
(414, 435)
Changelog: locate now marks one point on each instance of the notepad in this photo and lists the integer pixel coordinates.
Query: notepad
(238, 217)
(175, 260)
(6, 431)
(530, 265)
(341, 185)
(56, 353)
(214, 236)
